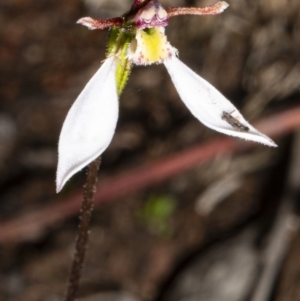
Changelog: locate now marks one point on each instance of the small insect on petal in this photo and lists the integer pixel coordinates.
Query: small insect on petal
(208, 105)
(234, 122)
(90, 123)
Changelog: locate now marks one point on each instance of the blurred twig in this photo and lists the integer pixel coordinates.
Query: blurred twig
(32, 224)
(280, 236)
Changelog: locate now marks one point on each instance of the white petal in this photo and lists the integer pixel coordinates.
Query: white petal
(208, 105)
(89, 125)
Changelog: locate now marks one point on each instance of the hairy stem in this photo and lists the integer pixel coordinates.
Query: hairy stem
(83, 230)
(200, 11)
(100, 24)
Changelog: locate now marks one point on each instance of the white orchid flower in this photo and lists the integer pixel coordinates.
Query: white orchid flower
(138, 38)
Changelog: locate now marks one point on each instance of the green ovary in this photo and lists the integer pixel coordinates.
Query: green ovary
(118, 43)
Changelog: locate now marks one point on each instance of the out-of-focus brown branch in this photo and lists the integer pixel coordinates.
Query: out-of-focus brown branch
(34, 223)
(280, 236)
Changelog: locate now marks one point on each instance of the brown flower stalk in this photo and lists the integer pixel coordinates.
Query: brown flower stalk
(83, 230)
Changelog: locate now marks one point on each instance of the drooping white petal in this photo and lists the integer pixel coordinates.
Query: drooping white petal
(208, 105)
(90, 124)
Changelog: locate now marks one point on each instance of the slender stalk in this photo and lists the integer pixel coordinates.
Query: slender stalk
(83, 230)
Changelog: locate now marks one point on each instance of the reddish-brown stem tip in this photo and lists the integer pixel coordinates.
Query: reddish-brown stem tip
(200, 11)
(91, 23)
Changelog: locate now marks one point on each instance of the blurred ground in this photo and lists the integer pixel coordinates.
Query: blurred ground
(140, 244)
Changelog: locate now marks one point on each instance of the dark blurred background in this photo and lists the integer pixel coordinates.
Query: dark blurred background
(206, 234)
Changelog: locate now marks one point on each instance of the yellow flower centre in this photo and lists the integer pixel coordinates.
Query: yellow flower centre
(150, 46)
